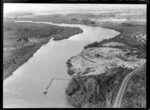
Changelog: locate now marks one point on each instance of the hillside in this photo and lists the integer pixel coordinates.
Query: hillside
(98, 71)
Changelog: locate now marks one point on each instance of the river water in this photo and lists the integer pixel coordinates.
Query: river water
(26, 86)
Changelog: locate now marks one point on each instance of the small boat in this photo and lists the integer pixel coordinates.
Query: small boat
(45, 92)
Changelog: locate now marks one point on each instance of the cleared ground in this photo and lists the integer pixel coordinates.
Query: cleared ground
(98, 71)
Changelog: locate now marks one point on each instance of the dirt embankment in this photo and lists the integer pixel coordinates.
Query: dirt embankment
(97, 72)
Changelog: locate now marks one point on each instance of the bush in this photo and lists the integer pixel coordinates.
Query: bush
(93, 89)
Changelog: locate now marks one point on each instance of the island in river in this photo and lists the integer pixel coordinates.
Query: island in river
(22, 40)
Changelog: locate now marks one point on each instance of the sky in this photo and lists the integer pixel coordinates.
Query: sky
(16, 7)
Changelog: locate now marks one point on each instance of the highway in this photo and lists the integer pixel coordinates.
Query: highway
(123, 86)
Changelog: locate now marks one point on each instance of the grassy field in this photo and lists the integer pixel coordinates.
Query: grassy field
(17, 47)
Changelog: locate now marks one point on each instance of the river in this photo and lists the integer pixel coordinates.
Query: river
(24, 89)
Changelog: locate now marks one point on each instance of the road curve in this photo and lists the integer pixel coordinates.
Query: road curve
(119, 96)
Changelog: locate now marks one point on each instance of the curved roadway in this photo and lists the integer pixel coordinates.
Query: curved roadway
(119, 96)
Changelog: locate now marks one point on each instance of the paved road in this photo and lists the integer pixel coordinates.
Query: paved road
(119, 96)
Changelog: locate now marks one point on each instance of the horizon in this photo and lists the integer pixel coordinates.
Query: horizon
(34, 8)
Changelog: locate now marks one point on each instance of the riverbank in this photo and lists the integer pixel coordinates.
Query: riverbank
(22, 40)
(97, 72)
(26, 86)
